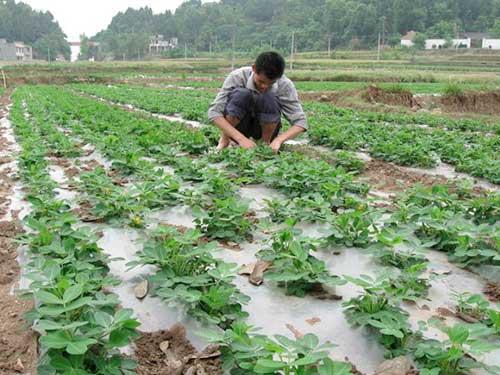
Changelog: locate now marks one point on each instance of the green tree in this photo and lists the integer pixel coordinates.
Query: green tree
(50, 46)
(419, 40)
(495, 30)
(19, 22)
(259, 23)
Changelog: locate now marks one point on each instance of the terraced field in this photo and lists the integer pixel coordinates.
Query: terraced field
(304, 262)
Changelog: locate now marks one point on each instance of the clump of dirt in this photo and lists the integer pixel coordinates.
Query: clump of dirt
(91, 165)
(169, 352)
(5, 189)
(318, 291)
(5, 159)
(69, 169)
(61, 162)
(334, 97)
(386, 176)
(85, 212)
(354, 370)
(18, 345)
(180, 228)
(492, 290)
(477, 102)
(400, 97)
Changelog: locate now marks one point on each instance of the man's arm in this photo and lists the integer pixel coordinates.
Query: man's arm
(293, 112)
(230, 131)
(215, 112)
(291, 133)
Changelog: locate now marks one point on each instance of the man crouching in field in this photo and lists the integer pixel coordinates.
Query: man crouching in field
(251, 102)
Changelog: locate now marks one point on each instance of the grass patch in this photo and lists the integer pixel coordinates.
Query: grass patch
(453, 89)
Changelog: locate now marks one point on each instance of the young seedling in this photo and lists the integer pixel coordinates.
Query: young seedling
(293, 265)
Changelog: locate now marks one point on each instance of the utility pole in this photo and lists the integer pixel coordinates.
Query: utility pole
(292, 50)
(185, 51)
(378, 49)
(383, 30)
(4, 80)
(232, 47)
(329, 44)
(48, 54)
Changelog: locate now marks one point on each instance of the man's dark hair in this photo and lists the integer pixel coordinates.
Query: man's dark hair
(271, 64)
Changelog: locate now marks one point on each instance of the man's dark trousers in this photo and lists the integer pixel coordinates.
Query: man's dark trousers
(254, 110)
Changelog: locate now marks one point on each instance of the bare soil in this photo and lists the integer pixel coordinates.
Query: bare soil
(18, 344)
(374, 94)
(333, 97)
(492, 290)
(169, 352)
(477, 102)
(484, 106)
(388, 177)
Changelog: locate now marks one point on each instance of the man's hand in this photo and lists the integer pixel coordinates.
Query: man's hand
(276, 145)
(247, 143)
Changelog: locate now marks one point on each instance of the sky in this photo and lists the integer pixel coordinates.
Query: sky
(91, 16)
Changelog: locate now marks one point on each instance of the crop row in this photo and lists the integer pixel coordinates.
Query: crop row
(416, 88)
(189, 274)
(473, 153)
(82, 327)
(382, 134)
(191, 104)
(305, 179)
(169, 101)
(353, 224)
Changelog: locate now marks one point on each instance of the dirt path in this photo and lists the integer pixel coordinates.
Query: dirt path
(18, 345)
(170, 353)
(391, 178)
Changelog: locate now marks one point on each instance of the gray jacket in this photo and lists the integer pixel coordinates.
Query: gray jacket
(283, 87)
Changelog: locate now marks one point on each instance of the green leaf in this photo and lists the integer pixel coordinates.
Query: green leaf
(103, 319)
(49, 325)
(433, 371)
(48, 298)
(57, 310)
(211, 336)
(72, 293)
(310, 341)
(119, 338)
(79, 346)
(51, 269)
(123, 314)
(330, 367)
(268, 366)
(56, 340)
(392, 332)
(458, 334)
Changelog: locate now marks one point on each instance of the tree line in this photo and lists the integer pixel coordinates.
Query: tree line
(254, 25)
(258, 24)
(19, 22)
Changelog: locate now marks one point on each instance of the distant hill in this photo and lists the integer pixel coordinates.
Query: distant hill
(19, 22)
(258, 23)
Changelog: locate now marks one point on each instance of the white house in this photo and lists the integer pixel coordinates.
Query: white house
(158, 44)
(407, 39)
(435, 43)
(491, 43)
(461, 43)
(15, 51)
(440, 43)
